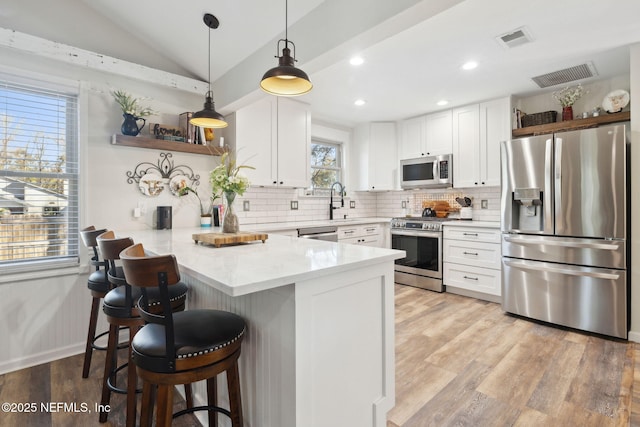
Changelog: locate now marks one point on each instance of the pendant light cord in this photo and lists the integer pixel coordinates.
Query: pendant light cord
(209, 59)
(286, 22)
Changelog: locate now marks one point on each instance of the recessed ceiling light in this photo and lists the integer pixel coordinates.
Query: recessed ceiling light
(442, 102)
(356, 60)
(469, 65)
(360, 102)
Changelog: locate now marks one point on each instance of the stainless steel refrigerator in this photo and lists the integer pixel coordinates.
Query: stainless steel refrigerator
(564, 229)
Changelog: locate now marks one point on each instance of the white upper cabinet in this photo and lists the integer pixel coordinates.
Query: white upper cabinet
(273, 136)
(428, 135)
(374, 163)
(439, 134)
(477, 132)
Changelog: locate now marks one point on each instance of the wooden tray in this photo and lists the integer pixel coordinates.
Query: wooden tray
(219, 239)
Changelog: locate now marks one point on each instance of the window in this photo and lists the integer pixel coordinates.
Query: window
(38, 175)
(326, 165)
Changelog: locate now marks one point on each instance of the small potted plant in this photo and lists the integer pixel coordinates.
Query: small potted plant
(205, 212)
(132, 112)
(567, 97)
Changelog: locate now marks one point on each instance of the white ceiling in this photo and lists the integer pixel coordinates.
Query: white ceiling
(413, 49)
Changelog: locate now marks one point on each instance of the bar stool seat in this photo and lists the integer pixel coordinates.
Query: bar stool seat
(182, 347)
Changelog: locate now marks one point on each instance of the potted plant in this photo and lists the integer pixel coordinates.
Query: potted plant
(226, 180)
(132, 112)
(205, 212)
(567, 97)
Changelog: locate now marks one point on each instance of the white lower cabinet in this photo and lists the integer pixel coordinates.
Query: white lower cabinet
(367, 235)
(472, 259)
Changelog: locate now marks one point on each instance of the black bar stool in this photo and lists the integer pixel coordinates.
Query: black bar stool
(183, 347)
(120, 306)
(99, 285)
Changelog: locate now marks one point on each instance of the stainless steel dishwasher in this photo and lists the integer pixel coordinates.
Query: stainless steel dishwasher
(328, 232)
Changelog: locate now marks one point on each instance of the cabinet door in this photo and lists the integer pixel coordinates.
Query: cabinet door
(256, 141)
(439, 133)
(293, 144)
(383, 164)
(466, 146)
(412, 138)
(495, 127)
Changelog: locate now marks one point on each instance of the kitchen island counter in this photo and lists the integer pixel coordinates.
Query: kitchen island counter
(319, 348)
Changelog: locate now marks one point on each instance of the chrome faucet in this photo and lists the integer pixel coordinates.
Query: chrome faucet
(331, 207)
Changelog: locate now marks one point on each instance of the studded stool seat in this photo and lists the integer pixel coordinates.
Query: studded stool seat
(182, 347)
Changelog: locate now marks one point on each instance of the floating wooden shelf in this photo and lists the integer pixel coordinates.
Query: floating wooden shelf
(572, 124)
(160, 144)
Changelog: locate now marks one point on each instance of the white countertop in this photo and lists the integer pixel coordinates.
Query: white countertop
(253, 267)
(293, 225)
(466, 223)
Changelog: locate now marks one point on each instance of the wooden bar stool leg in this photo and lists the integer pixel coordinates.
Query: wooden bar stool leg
(212, 400)
(164, 405)
(93, 321)
(132, 381)
(146, 409)
(188, 395)
(112, 354)
(235, 400)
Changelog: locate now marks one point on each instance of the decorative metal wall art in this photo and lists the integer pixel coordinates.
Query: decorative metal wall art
(152, 178)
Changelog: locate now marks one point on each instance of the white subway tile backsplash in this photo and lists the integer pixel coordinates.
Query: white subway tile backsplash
(274, 204)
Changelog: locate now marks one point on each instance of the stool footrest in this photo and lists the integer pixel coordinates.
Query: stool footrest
(115, 389)
(202, 408)
(103, 348)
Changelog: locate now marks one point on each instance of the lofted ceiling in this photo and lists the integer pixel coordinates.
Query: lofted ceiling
(412, 49)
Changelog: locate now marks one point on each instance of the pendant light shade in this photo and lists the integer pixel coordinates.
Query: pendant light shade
(208, 117)
(286, 79)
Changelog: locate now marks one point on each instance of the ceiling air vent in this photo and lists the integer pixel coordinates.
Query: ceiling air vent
(515, 38)
(579, 72)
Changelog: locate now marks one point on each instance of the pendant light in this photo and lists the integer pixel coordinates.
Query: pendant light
(209, 117)
(286, 79)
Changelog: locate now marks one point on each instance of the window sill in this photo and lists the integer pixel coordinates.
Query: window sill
(26, 273)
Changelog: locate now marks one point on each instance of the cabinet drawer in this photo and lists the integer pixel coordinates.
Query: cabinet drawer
(479, 254)
(475, 279)
(489, 235)
(348, 232)
(372, 229)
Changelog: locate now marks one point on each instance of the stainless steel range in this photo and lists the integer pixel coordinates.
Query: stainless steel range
(421, 239)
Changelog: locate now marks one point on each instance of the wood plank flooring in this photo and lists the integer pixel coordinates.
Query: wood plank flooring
(459, 362)
(463, 362)
(61, 381)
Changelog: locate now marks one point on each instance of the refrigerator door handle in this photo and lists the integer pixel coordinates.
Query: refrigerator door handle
(537, 267)
(524, 241)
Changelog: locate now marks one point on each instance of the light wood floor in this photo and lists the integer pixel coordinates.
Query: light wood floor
(463, 362)
(459, 362)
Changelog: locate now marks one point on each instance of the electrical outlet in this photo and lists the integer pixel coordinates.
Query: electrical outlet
(484, 204)
(246, 206)
(352, 204)
(294, 205)
(404, 204)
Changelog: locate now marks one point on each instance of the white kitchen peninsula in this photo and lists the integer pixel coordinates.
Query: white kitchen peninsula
(319, 350)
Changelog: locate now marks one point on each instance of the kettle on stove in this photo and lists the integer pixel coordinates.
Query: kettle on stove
(428, 212)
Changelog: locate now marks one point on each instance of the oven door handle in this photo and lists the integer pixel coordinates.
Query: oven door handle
(435, 234)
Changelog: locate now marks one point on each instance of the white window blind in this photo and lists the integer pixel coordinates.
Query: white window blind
(38, 176)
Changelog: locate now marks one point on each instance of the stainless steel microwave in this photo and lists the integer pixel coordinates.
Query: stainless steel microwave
(427, 172)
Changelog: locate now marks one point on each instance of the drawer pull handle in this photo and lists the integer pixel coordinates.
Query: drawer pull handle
(470, 234)
(470, 253)
(470, 278)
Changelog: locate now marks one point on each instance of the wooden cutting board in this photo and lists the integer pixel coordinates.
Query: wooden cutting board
(219, 239)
